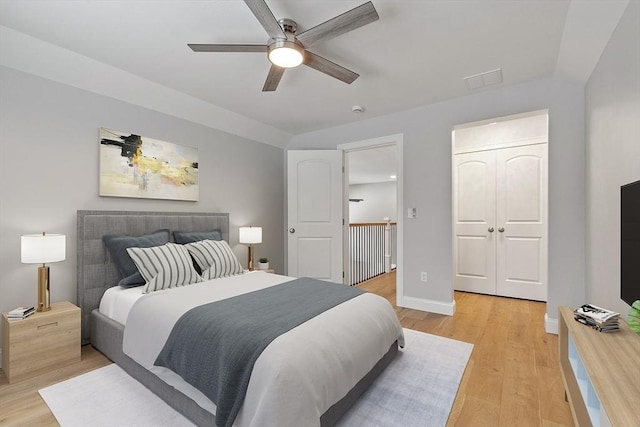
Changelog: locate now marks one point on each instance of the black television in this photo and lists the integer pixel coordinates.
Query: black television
(630, 242)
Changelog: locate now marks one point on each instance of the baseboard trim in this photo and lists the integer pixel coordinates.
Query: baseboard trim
(550, 325)
(431, 306)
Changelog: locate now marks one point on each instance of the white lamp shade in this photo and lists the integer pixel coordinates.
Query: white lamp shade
(250, 235)
(43, 248)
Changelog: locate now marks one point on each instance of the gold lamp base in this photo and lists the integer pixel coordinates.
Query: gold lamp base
(250, 258)
(44, 300)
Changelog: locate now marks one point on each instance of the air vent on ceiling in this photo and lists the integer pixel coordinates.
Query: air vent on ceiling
(481, 80)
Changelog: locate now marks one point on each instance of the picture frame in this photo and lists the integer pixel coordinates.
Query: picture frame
(136, 166)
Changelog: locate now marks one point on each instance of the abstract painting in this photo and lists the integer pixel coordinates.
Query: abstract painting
(136, 166)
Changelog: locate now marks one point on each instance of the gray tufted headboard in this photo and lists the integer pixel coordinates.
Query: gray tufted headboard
(95, 271)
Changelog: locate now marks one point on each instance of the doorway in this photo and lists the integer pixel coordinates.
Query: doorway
(374, 171)
(500, 199)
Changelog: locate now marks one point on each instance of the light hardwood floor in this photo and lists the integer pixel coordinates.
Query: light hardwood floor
(20, 403)
(512, 379)
(513, 376)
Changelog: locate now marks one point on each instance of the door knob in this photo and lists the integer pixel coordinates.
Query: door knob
(292, 230)
(490, 229)
(501, 229)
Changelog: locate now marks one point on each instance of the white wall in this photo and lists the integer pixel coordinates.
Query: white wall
(379, 201)
(613, 144)
(49, 160)
(427, 180)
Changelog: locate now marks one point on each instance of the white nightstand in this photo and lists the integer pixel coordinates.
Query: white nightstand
(41, 342)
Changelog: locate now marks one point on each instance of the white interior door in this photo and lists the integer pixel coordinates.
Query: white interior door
(521, 222)
(474, 218)
(315, 218)
(500, 222)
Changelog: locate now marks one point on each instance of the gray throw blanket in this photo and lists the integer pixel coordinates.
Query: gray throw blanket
(214, 346)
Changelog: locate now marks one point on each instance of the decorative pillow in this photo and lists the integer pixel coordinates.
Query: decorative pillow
(164, 267)
(132, 281)
(215, 258)
(184, 237)
(117, 246)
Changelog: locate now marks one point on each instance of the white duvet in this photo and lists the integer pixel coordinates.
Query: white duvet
(300, 374)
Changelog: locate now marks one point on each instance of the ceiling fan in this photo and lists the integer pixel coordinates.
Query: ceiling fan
(287, 49)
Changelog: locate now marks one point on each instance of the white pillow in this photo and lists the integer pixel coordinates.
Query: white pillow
(215, 258)
(164, 267)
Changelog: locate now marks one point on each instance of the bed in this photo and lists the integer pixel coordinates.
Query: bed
(358, 354)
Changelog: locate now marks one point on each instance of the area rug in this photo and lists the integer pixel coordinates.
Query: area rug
(417, 389)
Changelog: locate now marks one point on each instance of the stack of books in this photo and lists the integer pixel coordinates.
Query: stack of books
(20, 313)
(598, 318)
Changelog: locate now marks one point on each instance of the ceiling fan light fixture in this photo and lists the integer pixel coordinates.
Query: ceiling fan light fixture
(287, 49)
(286, 54)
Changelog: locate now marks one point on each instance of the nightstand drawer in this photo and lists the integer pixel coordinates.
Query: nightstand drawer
(41, 342)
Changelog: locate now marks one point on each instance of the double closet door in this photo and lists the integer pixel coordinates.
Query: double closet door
(500, 222)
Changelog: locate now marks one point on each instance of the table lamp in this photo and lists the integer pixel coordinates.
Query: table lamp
(250, 236)
(41, 249)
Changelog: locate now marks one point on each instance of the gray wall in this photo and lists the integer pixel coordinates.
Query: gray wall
(427, 180)
(613, 144)
(49, 169)
(379, 201)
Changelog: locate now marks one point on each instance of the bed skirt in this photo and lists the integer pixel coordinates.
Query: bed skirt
(107, 336)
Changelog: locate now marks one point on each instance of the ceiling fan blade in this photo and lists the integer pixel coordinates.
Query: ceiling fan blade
(228, 47)
(266, 18)
(325, 66)
(348, 21)
(273, 78)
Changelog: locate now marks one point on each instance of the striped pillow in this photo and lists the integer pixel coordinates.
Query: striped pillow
(164, 267)
(215, 258)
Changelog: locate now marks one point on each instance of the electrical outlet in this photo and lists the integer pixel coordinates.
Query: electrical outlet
(423, 276)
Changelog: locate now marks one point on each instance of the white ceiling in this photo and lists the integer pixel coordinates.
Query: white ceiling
(417, 53)
(372, 165)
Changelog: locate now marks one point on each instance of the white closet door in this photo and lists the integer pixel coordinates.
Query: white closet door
(522, 217)
(474, 210)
